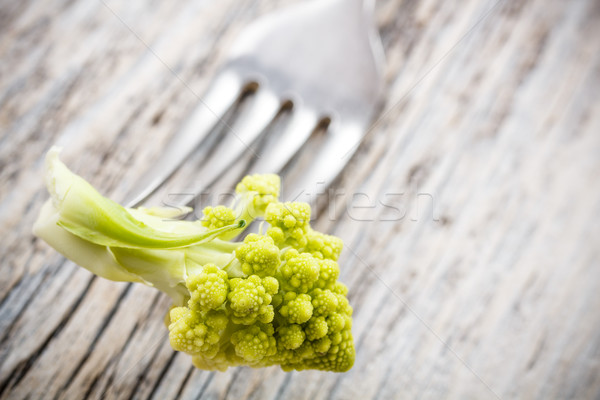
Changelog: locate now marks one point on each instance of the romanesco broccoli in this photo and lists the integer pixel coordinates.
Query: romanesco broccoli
(271, 299)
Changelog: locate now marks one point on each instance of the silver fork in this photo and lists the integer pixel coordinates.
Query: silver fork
(324, 57)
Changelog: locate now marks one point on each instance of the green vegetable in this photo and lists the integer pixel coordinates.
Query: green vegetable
(271, 299)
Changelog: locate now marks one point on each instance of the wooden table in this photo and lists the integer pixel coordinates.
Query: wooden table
(470, 213)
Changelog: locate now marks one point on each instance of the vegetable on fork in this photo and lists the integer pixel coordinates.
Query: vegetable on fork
(271, 299)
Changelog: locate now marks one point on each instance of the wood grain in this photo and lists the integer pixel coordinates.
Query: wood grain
(469, 213)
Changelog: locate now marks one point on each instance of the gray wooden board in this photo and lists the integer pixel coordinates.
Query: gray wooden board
(470, 213)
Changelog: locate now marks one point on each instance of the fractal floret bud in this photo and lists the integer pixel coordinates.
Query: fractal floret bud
(196, 332)
(258, 191)
(323, 246)
(272, 298)
(208, 289)
(291, 336)
(289, 222)
(328, 273)
(254, 343)
(258, 255)
(297, 308)
(299, 271)
(250, 299)
(324, 301)
(217, 217)
(316, 328)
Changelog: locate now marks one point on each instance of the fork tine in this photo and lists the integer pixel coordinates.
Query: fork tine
(243, 132)
(219, 98)
(333, 154)
(284, 147)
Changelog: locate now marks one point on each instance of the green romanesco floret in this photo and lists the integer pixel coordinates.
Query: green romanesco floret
(252, 196)
(258, 255)
(290, 222)
(196, 332)
(329, 271)
(272, 298)
(291, 336)
(324, 302)
(316, 328)
(260, 191)
(217, 217)
(323, 246)
(250, 299)
(340, 288)
(208, 289)
(298, 271)
(255, 343)
(296, 308)
(290, 227)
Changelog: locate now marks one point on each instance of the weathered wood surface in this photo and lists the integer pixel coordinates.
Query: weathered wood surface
(472, 255)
